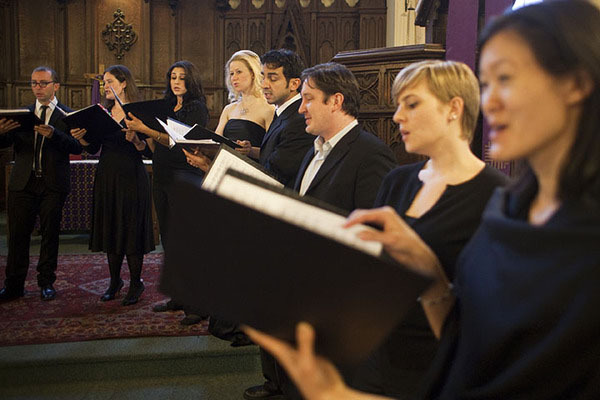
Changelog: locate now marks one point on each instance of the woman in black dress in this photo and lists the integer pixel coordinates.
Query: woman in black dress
(248, 115)
(522, 319)
(441, 199)
(185, 96)
(121, 217)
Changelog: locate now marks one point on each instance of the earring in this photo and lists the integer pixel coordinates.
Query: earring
(452, 117)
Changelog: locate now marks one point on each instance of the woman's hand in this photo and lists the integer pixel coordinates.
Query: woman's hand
(316, 377)
(403, 244)
(246, 147)
(78, 134)
(398, 239)
(135, 124)
(197, 159)
(131, 136)
(7, 125)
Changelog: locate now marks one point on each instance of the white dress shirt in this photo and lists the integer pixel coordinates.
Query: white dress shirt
(322, 150)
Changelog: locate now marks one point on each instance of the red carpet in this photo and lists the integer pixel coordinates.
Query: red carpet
(77, 314)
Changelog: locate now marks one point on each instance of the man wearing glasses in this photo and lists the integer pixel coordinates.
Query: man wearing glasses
(38, 185)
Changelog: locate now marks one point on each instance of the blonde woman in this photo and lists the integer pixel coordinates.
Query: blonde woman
(248, 115)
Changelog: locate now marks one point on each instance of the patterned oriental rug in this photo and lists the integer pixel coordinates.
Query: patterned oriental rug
(77, 314)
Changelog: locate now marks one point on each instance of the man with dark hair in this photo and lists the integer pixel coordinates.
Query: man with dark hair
(286, 141)
(281, 152)
(347, 164)
(39, 184)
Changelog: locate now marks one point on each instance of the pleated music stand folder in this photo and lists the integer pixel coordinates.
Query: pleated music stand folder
(238, 264)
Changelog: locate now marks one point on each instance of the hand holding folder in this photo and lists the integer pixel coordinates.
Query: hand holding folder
(96, 120)
(286, 259)
(23, 117)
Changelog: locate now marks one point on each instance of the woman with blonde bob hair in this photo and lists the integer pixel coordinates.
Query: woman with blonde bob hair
(441, 199)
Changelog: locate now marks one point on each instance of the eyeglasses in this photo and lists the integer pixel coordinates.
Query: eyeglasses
(41, 84)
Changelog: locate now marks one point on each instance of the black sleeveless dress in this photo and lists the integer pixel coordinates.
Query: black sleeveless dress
(243, 129)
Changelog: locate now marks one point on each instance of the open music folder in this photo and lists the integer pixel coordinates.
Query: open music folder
(149, 111)
(26, 118)
(95, 119)
(261, 255)
(192, 136)
(229, 159)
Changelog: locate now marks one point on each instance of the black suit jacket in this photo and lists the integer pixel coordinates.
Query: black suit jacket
(351, 174)
(285, 144)
(55, 154)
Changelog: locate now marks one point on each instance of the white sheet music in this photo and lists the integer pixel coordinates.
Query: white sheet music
(293, 211)
(176, 130)
(224, 161)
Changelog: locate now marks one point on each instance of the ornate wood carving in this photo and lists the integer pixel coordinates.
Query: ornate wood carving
(256, 36)
(315, 29)
(118, 35)
(375, 71)
(77, 97)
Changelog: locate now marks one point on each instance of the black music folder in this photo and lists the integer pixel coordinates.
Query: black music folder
(200, 132)
(233, 262)
(147, 111)
(96, 120)
(26, 118)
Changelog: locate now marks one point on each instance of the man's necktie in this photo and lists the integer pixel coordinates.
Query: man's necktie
(37, 152)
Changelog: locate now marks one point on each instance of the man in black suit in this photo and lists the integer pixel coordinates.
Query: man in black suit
(347, 164)
(345, 168)
(39, 184)
(286, 141)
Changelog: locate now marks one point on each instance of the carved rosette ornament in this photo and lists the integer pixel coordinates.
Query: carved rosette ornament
(258, 3)
(304, 3)
(352, 3)
(119, 36)
(280, 3)
(234, 3)
(327, 3)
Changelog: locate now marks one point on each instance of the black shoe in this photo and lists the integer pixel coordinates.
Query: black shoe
(133, 294)
(47, 293)
(7, 294)
(192, 319)
(111, 292)
(168, 306)
(261, 392)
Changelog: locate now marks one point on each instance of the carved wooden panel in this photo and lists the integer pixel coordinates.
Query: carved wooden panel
(162, 41)
(24, 95)
(234, 39)
(369, 83)
(375, 71)
(77, 97)
(41, 49)
(256, 36)
(77, 43)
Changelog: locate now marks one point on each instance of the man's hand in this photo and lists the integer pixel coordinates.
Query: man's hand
(44, 130)
(7, 125)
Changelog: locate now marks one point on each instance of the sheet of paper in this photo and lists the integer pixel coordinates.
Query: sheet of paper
(224, 161)
(293, 211)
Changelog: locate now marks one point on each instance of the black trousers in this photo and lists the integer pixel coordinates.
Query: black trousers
(160, 195)
(23, 207)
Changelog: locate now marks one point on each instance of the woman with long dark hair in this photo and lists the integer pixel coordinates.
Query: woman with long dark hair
(521, 320)
(184, 95)
(121, 217)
